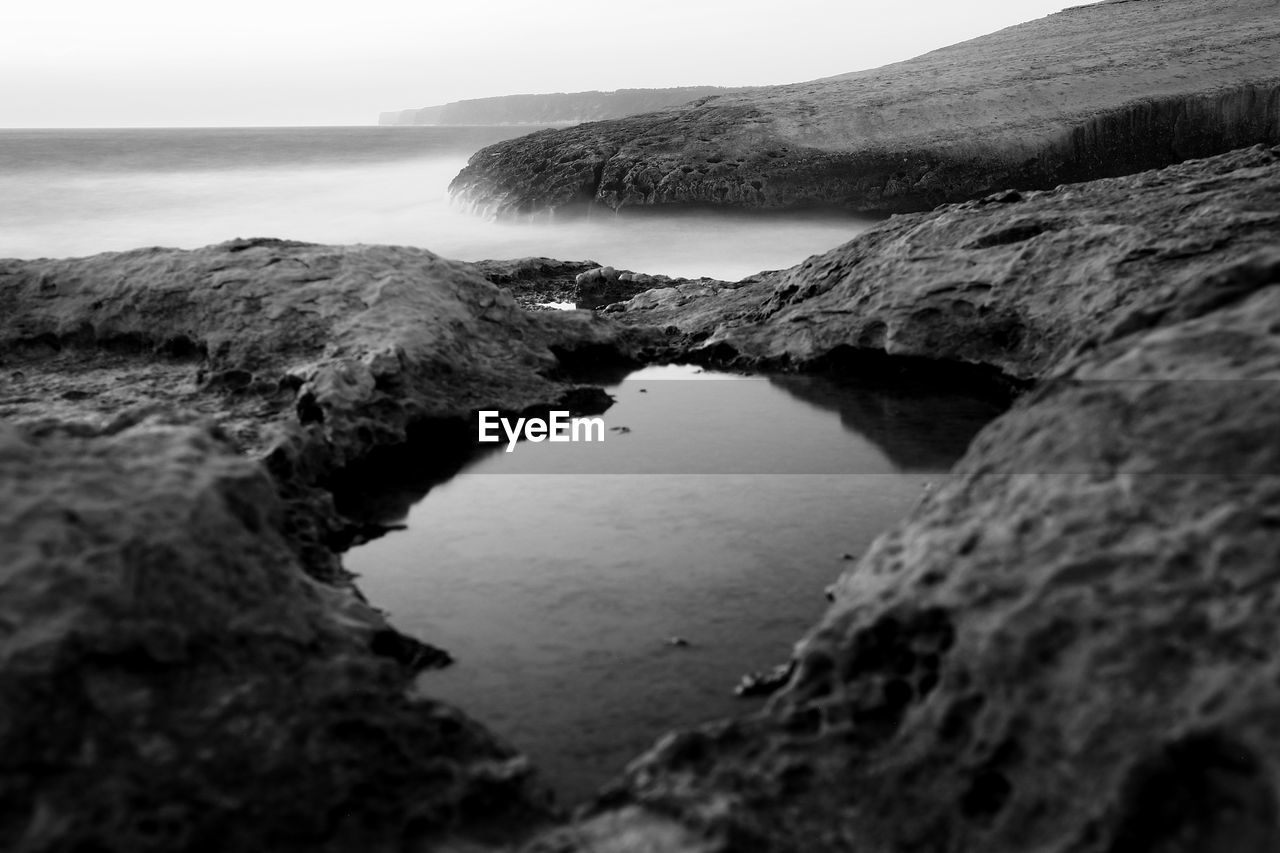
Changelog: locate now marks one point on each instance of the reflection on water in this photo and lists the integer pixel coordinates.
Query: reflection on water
(557, 573)
(77, 192)
(918, 426)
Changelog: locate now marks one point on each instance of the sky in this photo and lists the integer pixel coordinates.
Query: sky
(160, 63)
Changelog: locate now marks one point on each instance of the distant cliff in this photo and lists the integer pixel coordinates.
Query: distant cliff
(557, 108)
(1090, 92)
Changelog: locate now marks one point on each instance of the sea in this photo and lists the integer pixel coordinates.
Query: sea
(69, 193)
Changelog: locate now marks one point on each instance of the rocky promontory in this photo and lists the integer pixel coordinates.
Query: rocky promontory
(1094, 91)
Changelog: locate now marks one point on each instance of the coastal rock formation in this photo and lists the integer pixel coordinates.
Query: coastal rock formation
(328, 350)
(553, 108)
(171, 678)
(1093, 91)
(1015, 281)
(1070, 644)
(184, 664)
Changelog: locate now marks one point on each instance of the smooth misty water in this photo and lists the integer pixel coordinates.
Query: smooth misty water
(77, 192)
(557, 572)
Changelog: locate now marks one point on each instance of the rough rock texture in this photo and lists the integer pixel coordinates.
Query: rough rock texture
(535, 281)
(309, 356)
(606, 285)
(171, 679)
(1015, 281)
(1093, 91)
(1069, 646)
(183, 663)
(350, 343)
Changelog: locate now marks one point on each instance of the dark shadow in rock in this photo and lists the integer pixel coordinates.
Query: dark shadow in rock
(919, 422)
(380, 489)
(1202, 793)
(592, 364)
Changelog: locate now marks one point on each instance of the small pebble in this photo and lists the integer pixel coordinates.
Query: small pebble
(677, 641)
(846, 556)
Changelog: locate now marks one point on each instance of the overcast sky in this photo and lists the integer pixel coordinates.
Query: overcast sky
(143, 63)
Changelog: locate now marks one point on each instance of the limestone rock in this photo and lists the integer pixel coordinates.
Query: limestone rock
(535, 281)
(325, 352)
(183, 663)
(605, 285)
(1093, 91)
(171, 679)
(1016, 281)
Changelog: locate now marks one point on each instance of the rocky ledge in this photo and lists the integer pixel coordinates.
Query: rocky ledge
(345, 345)
(310, 357)
(1070, 644)
(1094, 91)
(1011, 283)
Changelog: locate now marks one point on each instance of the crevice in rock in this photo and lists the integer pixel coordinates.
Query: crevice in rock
(1203, 793)
(1154, 132)
(597, 362)
(877, 365)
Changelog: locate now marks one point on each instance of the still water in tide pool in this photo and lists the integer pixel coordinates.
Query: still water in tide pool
(557, 574)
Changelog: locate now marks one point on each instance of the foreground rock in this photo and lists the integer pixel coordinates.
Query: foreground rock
(348, 344)
(1093, 91)
(1070, 644)
(310, 357)
(183, 664)
(171, 679)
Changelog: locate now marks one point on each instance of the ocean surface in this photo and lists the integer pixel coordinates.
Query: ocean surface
(716, 511)
(77, 192)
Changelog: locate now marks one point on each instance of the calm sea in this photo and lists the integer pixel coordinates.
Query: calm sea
(77, 192)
